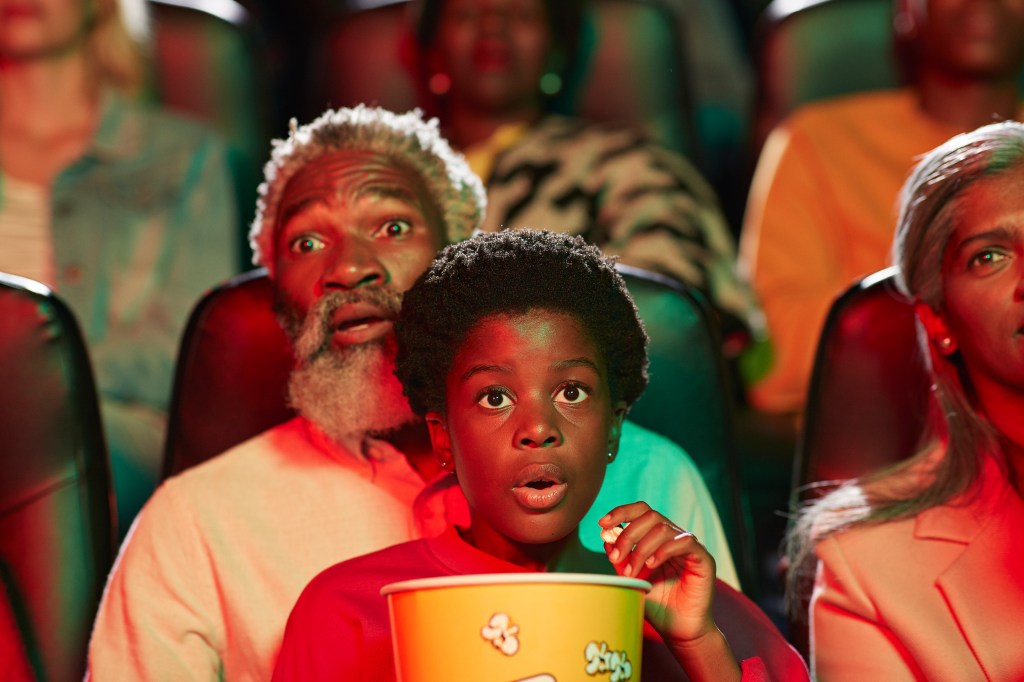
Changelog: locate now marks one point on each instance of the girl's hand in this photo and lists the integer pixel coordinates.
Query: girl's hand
(680, 569)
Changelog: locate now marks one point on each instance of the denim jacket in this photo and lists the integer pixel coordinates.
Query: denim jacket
(143, 223)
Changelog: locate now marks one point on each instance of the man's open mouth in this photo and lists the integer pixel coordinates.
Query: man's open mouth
(358, 323)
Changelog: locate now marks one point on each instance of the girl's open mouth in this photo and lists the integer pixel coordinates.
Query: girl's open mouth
(540, 487)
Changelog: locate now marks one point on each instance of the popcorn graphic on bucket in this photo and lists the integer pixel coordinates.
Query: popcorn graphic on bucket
(517, 627)
(601, 660)
(500, 632)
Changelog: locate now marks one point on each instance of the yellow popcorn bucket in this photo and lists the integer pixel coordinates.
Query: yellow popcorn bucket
(517, 627)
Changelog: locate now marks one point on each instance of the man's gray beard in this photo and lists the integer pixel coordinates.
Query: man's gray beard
(347, 392)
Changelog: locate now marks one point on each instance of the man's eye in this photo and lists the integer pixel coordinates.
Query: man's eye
(986, 257)
(395, 228)
(572, 394)
(494, 399)
(305, 244)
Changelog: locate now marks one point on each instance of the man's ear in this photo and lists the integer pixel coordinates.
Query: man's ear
(939, 336)
(615, 432)
(437, 426)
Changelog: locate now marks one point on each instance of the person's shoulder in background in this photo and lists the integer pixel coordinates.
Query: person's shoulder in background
(652, 468)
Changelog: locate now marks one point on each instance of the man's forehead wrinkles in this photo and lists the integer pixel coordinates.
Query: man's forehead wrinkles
(376, 189)
(325, 195)
(332, 179)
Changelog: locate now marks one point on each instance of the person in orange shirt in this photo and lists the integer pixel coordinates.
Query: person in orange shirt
(822, 203)
(919, 567)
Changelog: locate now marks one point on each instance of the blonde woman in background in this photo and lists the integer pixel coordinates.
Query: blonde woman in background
(124, 210)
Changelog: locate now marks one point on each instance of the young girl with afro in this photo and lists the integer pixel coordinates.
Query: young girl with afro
(523, 351)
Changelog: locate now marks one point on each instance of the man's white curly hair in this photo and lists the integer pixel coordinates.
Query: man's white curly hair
(404, 138)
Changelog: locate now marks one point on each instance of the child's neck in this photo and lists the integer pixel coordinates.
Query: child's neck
(560, 555)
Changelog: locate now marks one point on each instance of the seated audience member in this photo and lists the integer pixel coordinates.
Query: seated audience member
(14, 666)
(354, 208)
(919, 567)
(523, 351)
(487, 64)
(122, 209)
(823, 200)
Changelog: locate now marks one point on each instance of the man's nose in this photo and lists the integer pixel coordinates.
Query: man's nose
(354, 263)
(538, 426)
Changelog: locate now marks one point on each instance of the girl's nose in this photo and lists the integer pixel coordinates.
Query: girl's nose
(538, 428)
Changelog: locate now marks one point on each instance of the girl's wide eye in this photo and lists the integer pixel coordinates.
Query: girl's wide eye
(572, 394)
(494, 399)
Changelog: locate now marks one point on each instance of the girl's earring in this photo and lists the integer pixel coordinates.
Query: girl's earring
(946, 345)
(904, 25)
(550, 83)
(551, 80)
(611, 457)
(439, 84)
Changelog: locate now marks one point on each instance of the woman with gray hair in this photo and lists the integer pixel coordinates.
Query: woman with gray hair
(123, 210)
(919, 567)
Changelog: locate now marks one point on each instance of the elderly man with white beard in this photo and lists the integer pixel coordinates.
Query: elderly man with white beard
(354, 207)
